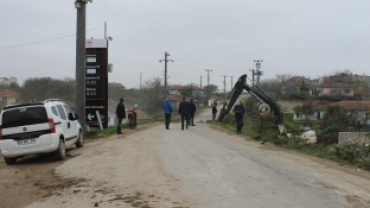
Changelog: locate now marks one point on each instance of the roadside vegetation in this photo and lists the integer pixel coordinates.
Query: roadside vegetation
(98, 133)
(336, 119)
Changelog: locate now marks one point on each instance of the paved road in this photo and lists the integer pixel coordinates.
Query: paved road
(203, 167)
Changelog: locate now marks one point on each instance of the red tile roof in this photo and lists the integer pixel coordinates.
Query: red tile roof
(180, 87)
(116, 85)
(9, 93)
(175, 97)
(354, 105)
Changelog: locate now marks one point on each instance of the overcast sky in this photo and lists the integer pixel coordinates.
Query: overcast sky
(300, 37)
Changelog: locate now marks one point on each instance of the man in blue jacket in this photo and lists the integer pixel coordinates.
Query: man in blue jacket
(167, 107)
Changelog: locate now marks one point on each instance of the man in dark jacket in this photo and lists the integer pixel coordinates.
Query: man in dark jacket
(239, 116)
(167, 108)
(184, 111)
(214, 112)
(193, 108)
(120, 114)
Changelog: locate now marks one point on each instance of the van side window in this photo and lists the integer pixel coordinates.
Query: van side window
(68, 111)
(61, 112)
(54, 110)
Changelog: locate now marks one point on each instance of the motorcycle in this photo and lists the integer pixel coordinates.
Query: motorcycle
(132, 117)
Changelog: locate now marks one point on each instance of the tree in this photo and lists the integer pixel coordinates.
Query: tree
(210, 88)
(153, 97)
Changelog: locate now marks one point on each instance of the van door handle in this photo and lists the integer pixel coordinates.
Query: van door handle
(69, 125)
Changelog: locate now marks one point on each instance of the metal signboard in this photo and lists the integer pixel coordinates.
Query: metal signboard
(96, 76)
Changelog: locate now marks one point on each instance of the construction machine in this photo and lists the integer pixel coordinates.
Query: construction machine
(268, 105)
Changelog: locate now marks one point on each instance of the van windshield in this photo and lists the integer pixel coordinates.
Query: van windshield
(24, 116)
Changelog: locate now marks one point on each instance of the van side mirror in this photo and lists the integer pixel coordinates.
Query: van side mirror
(71, 117)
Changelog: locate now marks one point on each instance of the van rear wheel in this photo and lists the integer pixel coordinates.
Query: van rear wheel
(10, 161)
(60, 153)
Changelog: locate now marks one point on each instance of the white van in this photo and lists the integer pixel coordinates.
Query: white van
(41, 127)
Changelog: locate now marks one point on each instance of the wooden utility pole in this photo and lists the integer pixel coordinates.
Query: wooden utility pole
(165, 71)
(224, 76)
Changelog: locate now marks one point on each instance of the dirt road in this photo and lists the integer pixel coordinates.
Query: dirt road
(203, 166)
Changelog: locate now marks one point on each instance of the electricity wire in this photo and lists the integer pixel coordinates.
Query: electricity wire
(45, 41)
(147, 21)
(114, 19)
(141, 34)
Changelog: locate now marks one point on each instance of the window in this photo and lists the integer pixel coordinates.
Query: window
(54, 110)
(24, 116)
(68, 111)
(61, 112)
(347, 91)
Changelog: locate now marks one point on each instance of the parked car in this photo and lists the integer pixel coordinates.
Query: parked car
(42, 127)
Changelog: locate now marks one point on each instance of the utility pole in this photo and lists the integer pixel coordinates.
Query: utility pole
(232, 83)
(201, 81)
(140, 79)
(165, 71)
(80, 5)
(208, 77)
(224, 76)
(258, 72)
(252, 76)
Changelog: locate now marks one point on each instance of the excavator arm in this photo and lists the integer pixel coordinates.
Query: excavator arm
(268, 105)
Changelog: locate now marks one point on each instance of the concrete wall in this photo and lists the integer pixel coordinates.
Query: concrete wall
(353, 136)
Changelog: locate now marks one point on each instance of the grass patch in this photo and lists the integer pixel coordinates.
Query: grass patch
(93, 134)
(353, 154)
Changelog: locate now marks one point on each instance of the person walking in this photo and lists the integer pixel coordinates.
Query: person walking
(120, 114)
(239, 116)
(214, 112)
(184, 110)
(193, 108)
(167, 107)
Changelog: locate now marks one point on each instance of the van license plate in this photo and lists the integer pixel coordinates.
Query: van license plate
(26, 141)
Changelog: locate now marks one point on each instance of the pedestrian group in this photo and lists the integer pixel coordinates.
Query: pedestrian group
(187, 112)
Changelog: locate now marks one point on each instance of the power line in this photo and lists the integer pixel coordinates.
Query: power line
(45, 41)
(207, 64)
(146, 18)
(114, 19)
(132, 19)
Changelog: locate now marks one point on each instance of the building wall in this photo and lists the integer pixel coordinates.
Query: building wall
(359, 137)
(337, 91)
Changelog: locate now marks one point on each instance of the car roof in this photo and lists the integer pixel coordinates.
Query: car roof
(32, 104)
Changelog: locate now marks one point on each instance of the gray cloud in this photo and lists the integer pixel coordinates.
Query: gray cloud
(310, 38)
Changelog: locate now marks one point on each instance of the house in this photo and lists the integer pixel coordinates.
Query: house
(179, 89)
(116, 85)
(347, 78)
(176, 99)
(336, 89)
(296, 84)
(9, 97)
(362, 109)
(318, 109)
